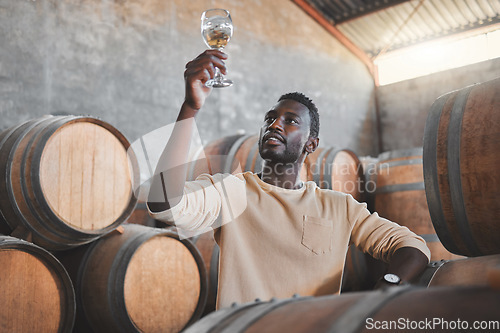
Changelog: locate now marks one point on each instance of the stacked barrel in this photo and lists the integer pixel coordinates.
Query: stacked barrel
(70, 261)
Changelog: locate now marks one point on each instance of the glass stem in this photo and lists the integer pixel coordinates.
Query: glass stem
(218, 75)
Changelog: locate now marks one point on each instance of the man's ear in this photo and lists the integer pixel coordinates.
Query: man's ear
(311, 145)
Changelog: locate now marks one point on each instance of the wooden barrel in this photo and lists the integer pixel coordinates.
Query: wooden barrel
(360, 312)
(216, 157)
(336, 169)
(67, 180)
(459, 272)
(209, 250)
(460, 159)
(140, 280)
(400, 196)
(36, 293)
(330, 168)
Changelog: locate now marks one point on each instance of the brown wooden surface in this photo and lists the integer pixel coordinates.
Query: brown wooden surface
(349, 312)
(406, 207)
(85, 176)
(36, 294)
(143, 279)
(159, 270)
(474, 164)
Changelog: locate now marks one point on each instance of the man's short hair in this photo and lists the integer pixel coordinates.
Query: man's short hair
(313, 110)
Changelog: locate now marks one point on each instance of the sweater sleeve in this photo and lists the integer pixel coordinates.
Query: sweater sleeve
(378, 236)
(209, 199)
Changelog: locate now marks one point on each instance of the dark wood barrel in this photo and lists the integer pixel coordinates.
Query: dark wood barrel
(36, 293)
(209, 250)
(400, 196)
(137, 279)
(330, 168)
(459, 272)
(360, 312)
(67, 180)
(460, 159)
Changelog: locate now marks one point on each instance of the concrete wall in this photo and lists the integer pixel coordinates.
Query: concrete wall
(123, 62)
(404, 105)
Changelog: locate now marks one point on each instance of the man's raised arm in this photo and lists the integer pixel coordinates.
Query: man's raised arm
(168, 181)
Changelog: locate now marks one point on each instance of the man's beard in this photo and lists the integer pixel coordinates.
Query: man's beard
(290, 155)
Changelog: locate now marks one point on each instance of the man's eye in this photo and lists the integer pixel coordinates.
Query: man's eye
(293, 121)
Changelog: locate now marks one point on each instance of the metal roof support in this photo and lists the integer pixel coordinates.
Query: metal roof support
(360, 54)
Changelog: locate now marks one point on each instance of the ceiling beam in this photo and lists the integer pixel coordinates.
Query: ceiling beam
(360, 54)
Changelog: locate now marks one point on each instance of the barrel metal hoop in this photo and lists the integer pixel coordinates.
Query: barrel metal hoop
(116, 282)
(6, 173)
(40, 230)
(353, 319)
(429, 273)
(431, 174)
(232, 153)
(400, 188)
(454, 172)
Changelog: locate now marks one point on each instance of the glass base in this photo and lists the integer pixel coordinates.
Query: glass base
(219, 83)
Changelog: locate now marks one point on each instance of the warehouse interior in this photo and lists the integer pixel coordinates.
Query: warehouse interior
(373, 68)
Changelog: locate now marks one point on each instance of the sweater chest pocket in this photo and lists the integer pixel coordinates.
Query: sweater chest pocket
(317, 234)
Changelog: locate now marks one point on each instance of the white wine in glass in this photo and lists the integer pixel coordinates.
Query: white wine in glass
(217, 30)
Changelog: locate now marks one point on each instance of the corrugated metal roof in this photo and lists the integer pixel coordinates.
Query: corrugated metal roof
(379, 26)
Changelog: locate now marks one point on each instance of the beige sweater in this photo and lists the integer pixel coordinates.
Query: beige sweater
(276, 242)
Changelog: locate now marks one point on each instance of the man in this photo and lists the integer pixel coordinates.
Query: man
(278, 236)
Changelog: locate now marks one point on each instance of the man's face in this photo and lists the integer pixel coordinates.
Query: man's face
(285, 132)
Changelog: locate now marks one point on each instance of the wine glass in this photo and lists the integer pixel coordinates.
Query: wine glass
(217, 29)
